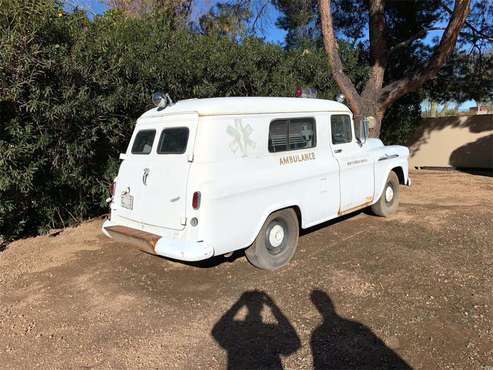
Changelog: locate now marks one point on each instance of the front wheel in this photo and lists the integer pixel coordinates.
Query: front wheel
(276, 242)
(389, 200)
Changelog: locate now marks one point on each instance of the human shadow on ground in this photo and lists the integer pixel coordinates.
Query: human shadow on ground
(343, 344)
(252, 343)
(337, 343)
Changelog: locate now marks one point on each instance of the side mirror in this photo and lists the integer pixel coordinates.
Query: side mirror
(363, 130)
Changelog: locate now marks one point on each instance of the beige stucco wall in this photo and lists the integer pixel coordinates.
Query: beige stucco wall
(465, 141)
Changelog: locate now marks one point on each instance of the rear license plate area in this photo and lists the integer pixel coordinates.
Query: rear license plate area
(127, 201)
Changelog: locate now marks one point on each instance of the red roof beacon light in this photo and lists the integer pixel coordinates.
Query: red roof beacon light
(309, 92)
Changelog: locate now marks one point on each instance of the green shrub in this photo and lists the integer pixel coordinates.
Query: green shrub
(71, 89)
(401, 120)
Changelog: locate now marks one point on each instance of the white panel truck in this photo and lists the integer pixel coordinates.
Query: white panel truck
(206, 177)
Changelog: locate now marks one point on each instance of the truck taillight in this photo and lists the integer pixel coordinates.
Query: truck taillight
(112, 188)
(196, 200)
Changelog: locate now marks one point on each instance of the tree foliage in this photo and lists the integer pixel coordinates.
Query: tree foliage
(236, 19)
(172, 8)
(465, 76)
(400, 40)
(299, 18)
(225, 19)
(71, 89)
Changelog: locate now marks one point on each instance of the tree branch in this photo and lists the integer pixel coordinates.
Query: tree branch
(416, 36)
(260, 13)
(332, 49)
(396, 89)
(469, 25)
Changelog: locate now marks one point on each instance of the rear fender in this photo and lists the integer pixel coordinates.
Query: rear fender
(275, 208)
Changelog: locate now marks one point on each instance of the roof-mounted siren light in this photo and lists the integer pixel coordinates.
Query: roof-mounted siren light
(161, 100)
(340, 98)
(309, 92)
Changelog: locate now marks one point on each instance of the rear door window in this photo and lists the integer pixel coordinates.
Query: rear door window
(143, 142)
(173, 140)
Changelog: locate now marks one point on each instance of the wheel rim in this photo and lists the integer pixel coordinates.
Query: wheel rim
(276, 236)
(389, 194)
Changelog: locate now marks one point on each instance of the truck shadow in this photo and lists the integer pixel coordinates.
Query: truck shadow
(337, 343)
(208, 263)
(335, 221)
(219, 260)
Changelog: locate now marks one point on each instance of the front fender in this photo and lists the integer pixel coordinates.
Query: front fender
(387, 159)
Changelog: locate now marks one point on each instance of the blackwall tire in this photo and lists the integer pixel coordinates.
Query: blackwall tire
(389, 200)
(276, 242)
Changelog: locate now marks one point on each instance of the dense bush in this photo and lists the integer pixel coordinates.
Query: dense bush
(71, 89)
(401, 120)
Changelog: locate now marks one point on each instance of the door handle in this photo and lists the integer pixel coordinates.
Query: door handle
(337, 150)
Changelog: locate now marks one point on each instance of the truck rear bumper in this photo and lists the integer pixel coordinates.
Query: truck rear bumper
(176, 249)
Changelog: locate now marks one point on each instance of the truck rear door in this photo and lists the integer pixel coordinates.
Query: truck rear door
(153, 179)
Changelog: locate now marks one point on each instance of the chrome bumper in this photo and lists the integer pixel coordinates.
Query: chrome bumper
(176, 249)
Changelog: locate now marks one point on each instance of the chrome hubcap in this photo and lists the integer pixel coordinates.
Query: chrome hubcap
(389, 194)
(276, 236)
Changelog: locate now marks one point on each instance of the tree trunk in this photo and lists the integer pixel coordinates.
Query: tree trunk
(376, 98)
(433, 108)
(374, 115)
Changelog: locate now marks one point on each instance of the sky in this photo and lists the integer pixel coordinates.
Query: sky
(271, 32)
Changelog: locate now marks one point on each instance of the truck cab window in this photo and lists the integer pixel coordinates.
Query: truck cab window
(291, 134)
(341, 129)
(143, 142)
(173, 140)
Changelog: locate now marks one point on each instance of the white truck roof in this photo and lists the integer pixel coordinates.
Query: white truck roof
(248, 105)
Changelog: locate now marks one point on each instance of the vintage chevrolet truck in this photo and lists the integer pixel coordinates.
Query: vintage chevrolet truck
(206, 177)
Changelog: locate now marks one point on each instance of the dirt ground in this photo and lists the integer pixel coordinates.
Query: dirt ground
(411, 291)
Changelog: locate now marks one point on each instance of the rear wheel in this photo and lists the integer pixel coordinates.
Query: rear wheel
(389, 200)
(276, 242)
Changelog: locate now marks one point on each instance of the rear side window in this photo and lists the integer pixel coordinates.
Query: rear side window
(173, 140)
(278, 136)
(340, 125)
(291, 134)
(143, 142)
